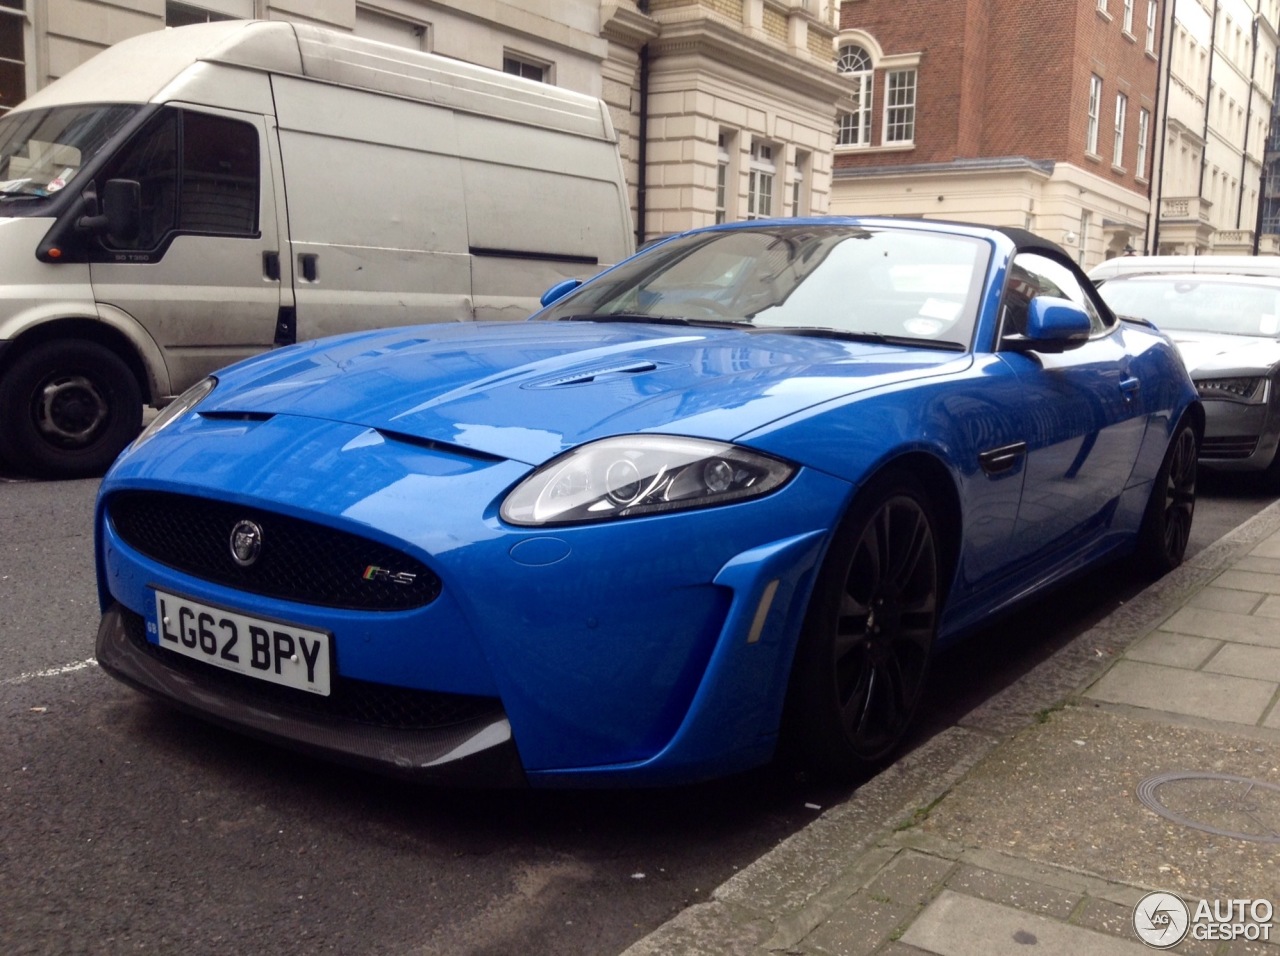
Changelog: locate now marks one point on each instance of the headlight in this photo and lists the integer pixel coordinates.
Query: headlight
(1252, 390)
(640, 475)
(177, 408)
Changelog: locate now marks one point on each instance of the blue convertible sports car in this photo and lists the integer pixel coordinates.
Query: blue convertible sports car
(724, 499)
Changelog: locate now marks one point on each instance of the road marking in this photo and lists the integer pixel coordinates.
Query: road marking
(52, 671)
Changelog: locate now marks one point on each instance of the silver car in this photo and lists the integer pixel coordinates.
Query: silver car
(1224, 315)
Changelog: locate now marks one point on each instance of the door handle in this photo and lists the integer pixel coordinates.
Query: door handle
(271, 265)
(307, 266)
(1130, 388)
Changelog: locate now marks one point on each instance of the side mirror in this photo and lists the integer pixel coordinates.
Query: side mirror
(121, 210)
(559, 291)
(1053, 325)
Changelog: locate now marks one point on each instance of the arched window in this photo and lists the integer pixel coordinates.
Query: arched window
(854, 63)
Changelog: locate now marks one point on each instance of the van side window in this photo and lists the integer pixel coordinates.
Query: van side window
(219, 176)
(151, 158)
(197, 173)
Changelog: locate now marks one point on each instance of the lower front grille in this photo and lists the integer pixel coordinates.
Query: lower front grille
(362, 702)
(1229, 446)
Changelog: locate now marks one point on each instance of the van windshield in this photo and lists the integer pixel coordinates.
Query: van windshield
(42, 150)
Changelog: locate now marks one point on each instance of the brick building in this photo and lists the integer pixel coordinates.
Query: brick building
(1031, 113)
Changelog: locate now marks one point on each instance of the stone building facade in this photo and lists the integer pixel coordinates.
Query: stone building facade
(724, 107)
(1101, 124)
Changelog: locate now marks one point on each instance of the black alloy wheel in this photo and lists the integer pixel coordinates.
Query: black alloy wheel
(1166, 524)
(868, 637)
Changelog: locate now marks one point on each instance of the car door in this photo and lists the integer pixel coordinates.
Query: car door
(1083, 413)
(203, 276)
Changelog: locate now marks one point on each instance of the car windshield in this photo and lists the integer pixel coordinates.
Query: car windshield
(42, 150)
(889, 283)
(1198, 303)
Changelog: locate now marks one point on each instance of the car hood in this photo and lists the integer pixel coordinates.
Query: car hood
(529, 390)
(1209, 352)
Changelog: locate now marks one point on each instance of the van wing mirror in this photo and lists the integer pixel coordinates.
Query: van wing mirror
(120, 212)
(1053, 325)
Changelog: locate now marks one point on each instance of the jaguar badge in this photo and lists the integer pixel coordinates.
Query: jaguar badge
(246, 543)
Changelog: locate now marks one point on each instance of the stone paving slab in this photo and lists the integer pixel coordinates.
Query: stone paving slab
(958, 925)
(1212, 696)
(1225, 626)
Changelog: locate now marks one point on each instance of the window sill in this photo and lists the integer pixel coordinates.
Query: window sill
(886, 148)
(1092, 157)
(1119, 170)
(1103, 14)
(1129, 36)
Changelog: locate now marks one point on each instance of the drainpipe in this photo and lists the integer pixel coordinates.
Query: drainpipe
(1262, 194)
(1248, 117)
(642, 142)
(1208, 98)
(1163, 61)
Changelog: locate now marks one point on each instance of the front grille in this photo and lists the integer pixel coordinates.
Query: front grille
(1229, 446)
(299, 560)
(362, 702)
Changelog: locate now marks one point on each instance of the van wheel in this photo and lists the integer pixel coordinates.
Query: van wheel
(67, 409)
(868, 634)
(1166, 524)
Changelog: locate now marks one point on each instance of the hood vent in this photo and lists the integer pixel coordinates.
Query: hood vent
(590, 375)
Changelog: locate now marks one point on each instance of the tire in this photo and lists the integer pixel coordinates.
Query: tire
(868, 634)
(1166, 523)
(67, 409)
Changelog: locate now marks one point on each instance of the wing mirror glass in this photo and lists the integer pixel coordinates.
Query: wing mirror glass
(559, 291)
(1053, 325)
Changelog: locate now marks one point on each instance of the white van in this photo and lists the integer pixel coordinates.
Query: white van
(1150, 265)
(192, 196)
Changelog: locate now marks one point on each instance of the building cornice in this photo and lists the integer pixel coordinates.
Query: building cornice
(623, 24)
(998, 164)
(724, 42)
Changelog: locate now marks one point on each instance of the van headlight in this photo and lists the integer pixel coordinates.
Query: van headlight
(188, 400)
(635, 475)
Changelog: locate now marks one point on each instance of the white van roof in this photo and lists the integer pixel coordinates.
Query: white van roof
(149, 68)
(1149, 265)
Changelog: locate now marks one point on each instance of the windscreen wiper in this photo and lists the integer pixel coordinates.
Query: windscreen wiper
(644, 317)
(852, 335)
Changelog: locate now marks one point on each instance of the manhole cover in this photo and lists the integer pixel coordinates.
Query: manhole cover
(1219, 803)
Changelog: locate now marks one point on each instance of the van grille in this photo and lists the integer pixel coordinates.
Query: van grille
(299, 561)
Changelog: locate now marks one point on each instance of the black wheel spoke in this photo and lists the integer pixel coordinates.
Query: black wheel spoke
(888, 614)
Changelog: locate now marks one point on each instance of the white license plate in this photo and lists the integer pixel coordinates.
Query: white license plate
(269, 650)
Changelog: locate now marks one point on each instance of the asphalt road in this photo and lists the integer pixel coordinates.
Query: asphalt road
(130, 828)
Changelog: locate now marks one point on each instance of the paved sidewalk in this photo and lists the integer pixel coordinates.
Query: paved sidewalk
(1143, 757)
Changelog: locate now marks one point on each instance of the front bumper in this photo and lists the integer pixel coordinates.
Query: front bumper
(1239, 437)
(475, 749)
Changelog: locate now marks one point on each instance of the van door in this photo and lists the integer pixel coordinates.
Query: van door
(204, 275)
(377, 218)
